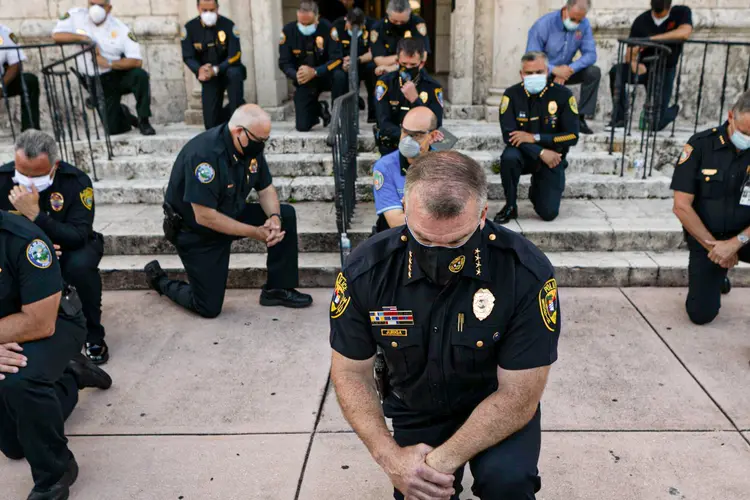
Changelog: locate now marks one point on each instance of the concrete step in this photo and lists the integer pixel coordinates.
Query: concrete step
(321, 164)
(602, 225)
(574, 269)
(310, 188)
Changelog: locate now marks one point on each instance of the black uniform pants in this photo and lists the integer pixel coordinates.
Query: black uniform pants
(366, 74)
(116, 84)
(547, 184)
(36, 401)
(212, 96)
(506, 471)
(306, 106)
(80, 268)
(14, 88)
(668, 115)
(589, 79)
(705, 281)
(207, 264)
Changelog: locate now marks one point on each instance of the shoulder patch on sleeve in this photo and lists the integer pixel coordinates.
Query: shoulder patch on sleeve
(378, 180)
(504, 104)
(87, 198)
(439, 96)
(548, 304)
(334, 34)
(65, 16)
(132, 36)
(13, 38)
(422, 28)
(205, 173)
(235, 31)
(38, 254)
(183, 33)
(686, 152)
(573, 104)
(373, 36)
(341, 297)
(380, 89)
(282, 38)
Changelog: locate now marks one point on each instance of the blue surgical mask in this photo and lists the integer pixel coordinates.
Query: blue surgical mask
(740, 140)
(570, 25)
(409, 147)
(534, 83)
(350, 33)
(308, 30)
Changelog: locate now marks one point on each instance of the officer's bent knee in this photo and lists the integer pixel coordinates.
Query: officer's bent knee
(701, 315)
(140, 73)
(507, 483)
(548, 215)
(233, 72)
(208, 312)
(512, 154)
(288, 211)
(13, 386)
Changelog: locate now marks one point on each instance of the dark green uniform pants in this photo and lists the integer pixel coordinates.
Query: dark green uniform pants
(36, 401)
(80, 268)
(306, 105)
(206, 262)
(117, 84)
(705, 282)
(547, 184)
(32, 88)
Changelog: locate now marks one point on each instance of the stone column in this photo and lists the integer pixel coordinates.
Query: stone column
(266, 21)
(461, 79)
(241, 15)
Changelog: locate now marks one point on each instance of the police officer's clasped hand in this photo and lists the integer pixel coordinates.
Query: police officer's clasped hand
(347, 63)
(58, 252)
(275, 234)
(11, 359)
(305, 74)
(551, 158)
(518, 137)
(724, 253)
(410, 92)
(411, 475)
(25, 201)
(205, 73)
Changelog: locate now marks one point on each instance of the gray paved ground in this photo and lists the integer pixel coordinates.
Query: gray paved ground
(641, 405)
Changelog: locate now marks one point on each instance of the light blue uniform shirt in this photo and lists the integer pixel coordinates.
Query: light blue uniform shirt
(388, 183)
(548, 35)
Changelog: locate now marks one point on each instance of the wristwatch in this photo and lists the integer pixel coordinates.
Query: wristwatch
(743, 239)
(216, 70)
(281, 219)
(537, 138)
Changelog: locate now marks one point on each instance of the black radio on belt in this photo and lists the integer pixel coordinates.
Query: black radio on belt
(173, 223)
(70, 302)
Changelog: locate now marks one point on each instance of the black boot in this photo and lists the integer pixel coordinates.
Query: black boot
(97, 352)
(154, 275)
(145, 127)
(288, 297)
(61, 489)
(584, 127)
(726, 287)
(507, 213)
(87, 374)
(325, 113)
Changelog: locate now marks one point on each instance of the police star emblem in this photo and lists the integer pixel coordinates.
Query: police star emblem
(56, 201)
(254, 166)
(552, 107)
(457, 264)
(548, 304)
(424, 96)
(222, 37)
(341, 299)
(38, 254)
(483, 304)
(319, 42)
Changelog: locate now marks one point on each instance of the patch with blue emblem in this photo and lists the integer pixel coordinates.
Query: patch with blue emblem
(380, 90)
(38, 254)
(439, 97)
(205, 173)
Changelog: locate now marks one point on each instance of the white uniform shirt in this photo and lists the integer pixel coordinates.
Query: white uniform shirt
(9, 56)
(113, 37)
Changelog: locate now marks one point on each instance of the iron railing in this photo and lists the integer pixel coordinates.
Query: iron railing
(69, 113)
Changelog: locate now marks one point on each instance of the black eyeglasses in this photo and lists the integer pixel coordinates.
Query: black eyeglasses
(414, 134)
(254, 137)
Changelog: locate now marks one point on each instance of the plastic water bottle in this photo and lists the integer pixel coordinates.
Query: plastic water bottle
(638, 165)
(346, 246)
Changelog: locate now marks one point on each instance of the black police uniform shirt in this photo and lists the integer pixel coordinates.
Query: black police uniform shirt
(210, 172)
(217, 45)
(384, 35)
(66, 208)
(443, 345)
(343, 40)
(553, 114)
(392, 106)
(317, 50)
(711, 168)
(29, 270)
(645, 27)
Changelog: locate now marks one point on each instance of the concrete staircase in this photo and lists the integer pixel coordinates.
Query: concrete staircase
(612, 231)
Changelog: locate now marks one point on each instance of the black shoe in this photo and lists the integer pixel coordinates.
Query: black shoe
(288, 297)
(361, 104)
(145, 127)
(61, 489)
(97, 352)
(507, 213)
(87, 374)
(325, 113)
(726, 287)
(130, 116)
(154, 275)
(615, 124)
(584, 127)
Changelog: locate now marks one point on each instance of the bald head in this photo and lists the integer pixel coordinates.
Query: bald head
(420, 118)
(249, 122)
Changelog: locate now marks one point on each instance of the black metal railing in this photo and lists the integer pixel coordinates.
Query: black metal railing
(630, 58)
(75, 107)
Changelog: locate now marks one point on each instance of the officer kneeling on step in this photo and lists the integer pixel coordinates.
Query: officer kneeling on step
(467, 315)
(59, 198)
(42, 330)
(711, 186)
(211, 49)
(540, 123)
(206, 209)
(14, 81)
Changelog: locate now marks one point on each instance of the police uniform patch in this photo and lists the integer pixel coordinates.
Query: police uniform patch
(552, 107)
(573, 104)
(394, 332)
(13, 38)
(439, 97)
(205, 173)
(38, 254)
(424, 96)
(56, 201)
(373, 36)
(457, 264)
(222, 36)
(236, 32)
(548, 304)
(378, 180)
(282, 38)
(483, 304)
(334, 34)
(422, 28)
(113, 34)
(341, 298)
(254, 166)
(131, 35)
(319, 42)
(183, 33)
(380, 89)
(87, 198)
(686, 152)
(407, 34)
(504, 104)
(65, 16)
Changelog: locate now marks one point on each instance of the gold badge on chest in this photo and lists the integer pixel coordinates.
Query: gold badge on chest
(483, 304)
(114, 34)
(424, 96)
(457, 264)
(552, 107)
(222, 37)
(319, 42)
(254, 166)
(56, 201)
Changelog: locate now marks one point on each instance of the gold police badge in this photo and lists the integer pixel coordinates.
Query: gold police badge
(407, 34)
(483, 304)
(573, 104)
(222, 37)
(457, 264)
(319, 42)
(424, 96)
(254, 166)
(552, 107)
(504, 104)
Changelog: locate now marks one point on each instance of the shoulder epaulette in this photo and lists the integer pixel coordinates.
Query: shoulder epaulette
(376, 249)
(528, 255)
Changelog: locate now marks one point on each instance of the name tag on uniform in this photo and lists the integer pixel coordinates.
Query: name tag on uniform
(745, 199)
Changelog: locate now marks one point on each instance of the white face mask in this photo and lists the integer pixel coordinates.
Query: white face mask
(97, 14)
(658, 21)
(42, 182)
(209, 18)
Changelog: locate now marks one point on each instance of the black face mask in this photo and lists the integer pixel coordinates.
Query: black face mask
(659, 5)
(398, 29)
(253, 148)
(409, 74)
(442, 265)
